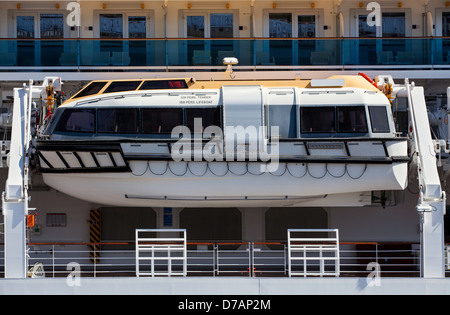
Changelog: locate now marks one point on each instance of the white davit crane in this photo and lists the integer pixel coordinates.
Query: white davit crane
(432, 199)
(15, 197)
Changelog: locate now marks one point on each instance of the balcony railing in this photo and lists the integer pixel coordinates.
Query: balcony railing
(246, 259)
(254, 53)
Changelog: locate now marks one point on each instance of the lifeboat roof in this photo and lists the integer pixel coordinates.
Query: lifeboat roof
(99, 87)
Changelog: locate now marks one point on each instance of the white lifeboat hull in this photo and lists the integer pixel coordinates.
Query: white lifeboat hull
(205, 184)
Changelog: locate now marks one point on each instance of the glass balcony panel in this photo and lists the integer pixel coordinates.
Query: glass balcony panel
(50, 52)
(26, 53)
(221, 49)
(303, 52)
(441, 51)
(280, 53)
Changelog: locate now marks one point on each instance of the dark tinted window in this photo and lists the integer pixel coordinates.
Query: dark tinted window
(317, 119)
(91, 89)
(208, 116)
(379, 119)
(161, 120)
(77, 120)
(121, 86)
(351, 119)
(285, 118)
(164, 84)
(118, 120)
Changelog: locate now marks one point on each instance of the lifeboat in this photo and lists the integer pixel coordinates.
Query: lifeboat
(182, 142)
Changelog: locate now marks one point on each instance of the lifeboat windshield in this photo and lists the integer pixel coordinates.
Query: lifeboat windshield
(102, 87)
(91, 89)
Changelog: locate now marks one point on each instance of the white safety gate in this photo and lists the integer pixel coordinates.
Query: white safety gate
(313, 252)
(160, 255)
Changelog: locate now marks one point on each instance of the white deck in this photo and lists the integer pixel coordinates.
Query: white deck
(226, 286)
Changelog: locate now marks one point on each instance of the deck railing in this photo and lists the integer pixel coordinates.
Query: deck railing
(214, 259)
(253, 53)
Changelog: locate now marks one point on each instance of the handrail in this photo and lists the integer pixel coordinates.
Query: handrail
(211, 243)
(224, 38)
(255, 259)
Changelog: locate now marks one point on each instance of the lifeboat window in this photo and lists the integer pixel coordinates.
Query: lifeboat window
(77, 120)
(351, 119)
(284, 117)
(163, 84)
(91, 89)
(379, 119)
(208, 116)
(317, 119)
(122, 86)
(118, 120)
(161, 120)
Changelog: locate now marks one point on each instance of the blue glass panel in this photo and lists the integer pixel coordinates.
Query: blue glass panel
(210, 52)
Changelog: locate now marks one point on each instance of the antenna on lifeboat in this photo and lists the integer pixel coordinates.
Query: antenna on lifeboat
(230, 62)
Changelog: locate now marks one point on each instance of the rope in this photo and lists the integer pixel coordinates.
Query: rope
(228, 170)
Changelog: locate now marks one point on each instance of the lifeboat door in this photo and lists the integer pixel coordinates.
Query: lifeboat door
(243, 119)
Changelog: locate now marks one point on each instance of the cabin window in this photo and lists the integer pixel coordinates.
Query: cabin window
(161, 120)
(280, 25)
(221, 25)
(317, 119)
(111, 26)
(379, 119)
(77, 120)
(394, 24)
(137, 27)
(52, 25)
(208, 116)
(118, 120)
(351, 119)
(121, 86)
(163, 84)
(91, 89)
